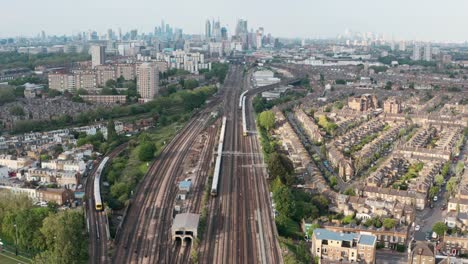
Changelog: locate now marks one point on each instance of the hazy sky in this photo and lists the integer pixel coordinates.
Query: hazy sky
(403, 19)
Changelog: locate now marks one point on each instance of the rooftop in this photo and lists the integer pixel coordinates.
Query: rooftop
(322, 234)
(186, 221)
(185, 184)
(367, 240)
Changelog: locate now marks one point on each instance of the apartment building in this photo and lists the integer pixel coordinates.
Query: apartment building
(363, 103)
(59, 196)
(105, 73)
(388, 238)
(14, 163)
(105, 99)
(61, 178)
(148, 81)
(392, 105)
(336, 246)
(61, 82)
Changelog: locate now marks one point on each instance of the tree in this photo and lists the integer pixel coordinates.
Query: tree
(459, 167)
(284, 200)
(333, 181)
(445, 169)
(350, 192)
(266, 120)
(81, 91)
(388, 85)
(321, 202)
(347, 219)
(146, 152)
(433, 191)
(281, 167)
(439, 228)
(190, 84)
(17, 110)
(111, 83)
(389, 223)
(111, 133)
(7, 95)
(64, 239)
(377, 222)
(439, 180)
(451, 186)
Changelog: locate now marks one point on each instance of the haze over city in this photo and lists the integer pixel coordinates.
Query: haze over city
(410, 20)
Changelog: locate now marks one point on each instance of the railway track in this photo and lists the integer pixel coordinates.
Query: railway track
(240, 228)
(97, 222)
(146, 236)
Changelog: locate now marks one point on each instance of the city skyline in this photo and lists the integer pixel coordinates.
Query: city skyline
(397, 19)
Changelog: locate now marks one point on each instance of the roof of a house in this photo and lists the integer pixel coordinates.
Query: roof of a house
(321, 234)
(423, 248)
(366, 240)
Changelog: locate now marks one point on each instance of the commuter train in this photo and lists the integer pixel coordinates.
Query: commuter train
(97, 189)
(219, 152)
(244, 120)
(242, 98)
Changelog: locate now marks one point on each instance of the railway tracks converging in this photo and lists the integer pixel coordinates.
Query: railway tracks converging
(239, 226)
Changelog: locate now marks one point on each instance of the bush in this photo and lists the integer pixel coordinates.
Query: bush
(146, 152)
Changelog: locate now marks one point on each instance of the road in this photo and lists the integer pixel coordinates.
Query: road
(97, 221)
(240, 227)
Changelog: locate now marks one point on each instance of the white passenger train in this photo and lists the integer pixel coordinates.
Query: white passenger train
(97, 189)
(219, 152)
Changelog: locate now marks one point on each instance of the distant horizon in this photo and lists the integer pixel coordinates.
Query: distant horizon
(416, 20)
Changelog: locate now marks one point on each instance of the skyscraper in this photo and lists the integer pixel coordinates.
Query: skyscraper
(148, 81)
(110, 34)
(208, 29)
(402, 46)
(427, 52)
(133, 34)
(217, 30)
(224, 34)
(241, 27)
(416, 52)
(98, 55)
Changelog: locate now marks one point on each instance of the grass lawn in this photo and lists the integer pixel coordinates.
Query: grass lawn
(9, 258)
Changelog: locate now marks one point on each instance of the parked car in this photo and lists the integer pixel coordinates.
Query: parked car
(435, 198)
(417, 228)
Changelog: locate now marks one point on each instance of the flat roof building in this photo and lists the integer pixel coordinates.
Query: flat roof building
(148, 81)
(332, 246)
(185, 226)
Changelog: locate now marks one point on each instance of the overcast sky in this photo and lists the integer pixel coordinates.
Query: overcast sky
(404, 19)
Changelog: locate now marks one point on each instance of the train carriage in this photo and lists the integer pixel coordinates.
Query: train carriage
(217, 170)
(97, 187)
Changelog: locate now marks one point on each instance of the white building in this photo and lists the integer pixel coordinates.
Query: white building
(148, 81)
(98, 55)
(416, 52)
(427, 52)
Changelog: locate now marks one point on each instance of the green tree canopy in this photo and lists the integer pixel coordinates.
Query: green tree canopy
(146, 152)
(281, 167)
(439, 228)
(111, 133)
(389, 223)
(266, 120)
